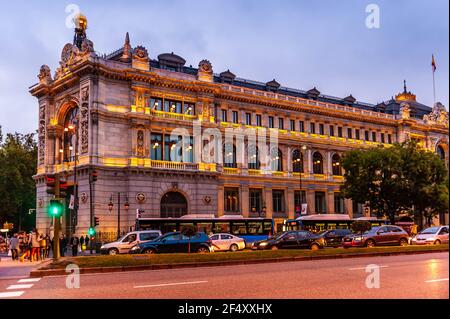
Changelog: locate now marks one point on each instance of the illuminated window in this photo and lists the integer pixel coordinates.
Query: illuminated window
(229, 155)
(297, 161)
(231, 200)
(255, 200)
(156, 147)
(336, 165)
(253, 157)
(317, 163)
(70, 135)
(276, 160)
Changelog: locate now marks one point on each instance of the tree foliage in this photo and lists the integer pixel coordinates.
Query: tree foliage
(18, 160)
(397, 179)
(360, 226)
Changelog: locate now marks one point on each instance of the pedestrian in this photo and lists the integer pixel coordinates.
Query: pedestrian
(86, 241)
(62, 244)
(82, 243)
(74, 241)
(35, 245)
(49, 246)
(43, 246)
(24, 247)
(14, 246)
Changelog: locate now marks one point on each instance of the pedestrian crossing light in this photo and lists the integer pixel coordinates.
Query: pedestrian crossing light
(92, 231)
(55, 208)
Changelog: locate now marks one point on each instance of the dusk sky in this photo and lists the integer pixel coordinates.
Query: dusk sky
(301, 44)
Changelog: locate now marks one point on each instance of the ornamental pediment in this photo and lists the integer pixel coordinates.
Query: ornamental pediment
(438, 116)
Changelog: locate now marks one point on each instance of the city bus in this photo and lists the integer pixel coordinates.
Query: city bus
(250, 229)
(321, 222)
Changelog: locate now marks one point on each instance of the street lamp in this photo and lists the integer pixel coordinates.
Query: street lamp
(111, 206)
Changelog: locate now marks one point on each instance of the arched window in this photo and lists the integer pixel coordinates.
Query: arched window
(229, 155)
(253, 157)
(317, 163)
(297, 161)
(336, 165)
(173, 204)
(440, 151)
(69, 147)
(276, 160)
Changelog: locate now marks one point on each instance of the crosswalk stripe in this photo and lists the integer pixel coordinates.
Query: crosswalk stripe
(11, 294)
(29, 280)
(25, 286)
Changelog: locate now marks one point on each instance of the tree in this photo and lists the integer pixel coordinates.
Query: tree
(360, 226)
(18, 160)
(395, 179)
(189, 231)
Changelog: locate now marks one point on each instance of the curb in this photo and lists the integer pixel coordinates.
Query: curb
(59, 272)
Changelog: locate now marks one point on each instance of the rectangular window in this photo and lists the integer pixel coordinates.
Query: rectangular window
(357, 134)
(321, 129)
(189, 108)
(281, 123)
(382, 137)
(331, 130)
(389, 139)
(357, 209)
(374, 136)
(258, 120)
(339, 131)
(231, 200)
(224, 116)
(278, 201)
(270, 121)
(366, 135)
(312, 128)
(339, 203)
(235, 117)
(349, 133)
(302, 126)
(292, 126)
(156, 146)
(299, 199)
(248, 118)
(156, 104)
(320, 202)
(255, 200)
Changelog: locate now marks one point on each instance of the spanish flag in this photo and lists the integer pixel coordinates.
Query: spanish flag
(433, 63)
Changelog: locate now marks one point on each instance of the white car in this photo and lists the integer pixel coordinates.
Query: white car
(227, 242)
(431, 235)
(125, 243)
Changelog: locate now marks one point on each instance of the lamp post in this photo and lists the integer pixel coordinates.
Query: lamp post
(301, 168)
(111, 205)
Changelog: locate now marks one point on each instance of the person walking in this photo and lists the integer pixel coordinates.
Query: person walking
(35, 246)
(49, 246)
(62, 244)
(43, 246)
(82, 243)
(86, 241)
(74, 242)
(24, 246)
(14, 246)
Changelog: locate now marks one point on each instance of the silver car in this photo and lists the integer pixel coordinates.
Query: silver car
(227, 242)
(125, 243)
(431, 235)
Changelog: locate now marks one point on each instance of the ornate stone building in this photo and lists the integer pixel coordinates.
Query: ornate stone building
(116, 113)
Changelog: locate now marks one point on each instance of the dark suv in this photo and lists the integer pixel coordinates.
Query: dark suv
(296, 239)
(333, 237)
(378, 236)
(175, 243)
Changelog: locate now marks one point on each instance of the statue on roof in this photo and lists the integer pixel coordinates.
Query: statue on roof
(438, 115)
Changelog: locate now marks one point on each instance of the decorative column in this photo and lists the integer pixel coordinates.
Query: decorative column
(220, 204)
(291, 203)
(268, 201)
(329, 165)
(288, 167)
(348, 206)
(311, 201)
(309, 165)
(245, 201)
(330, 202)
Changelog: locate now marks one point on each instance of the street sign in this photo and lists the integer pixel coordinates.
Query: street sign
(304, 209)
(72, 202)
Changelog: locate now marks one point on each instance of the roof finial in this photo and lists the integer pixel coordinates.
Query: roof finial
(126, 49)
(404, 86)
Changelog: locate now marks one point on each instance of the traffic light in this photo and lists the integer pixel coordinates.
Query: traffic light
(91, 232)
(139, 213)
(96, 221)
(94, 176)
(50, 181)
(63, 188)
(55, 208)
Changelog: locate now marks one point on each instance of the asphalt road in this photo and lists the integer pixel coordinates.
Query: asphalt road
(408, 276)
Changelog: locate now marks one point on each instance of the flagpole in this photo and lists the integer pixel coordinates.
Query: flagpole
(433, 69)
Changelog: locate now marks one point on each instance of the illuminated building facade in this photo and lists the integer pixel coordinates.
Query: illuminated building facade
(115, 114)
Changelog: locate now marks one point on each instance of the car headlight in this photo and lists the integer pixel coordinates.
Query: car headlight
(263, 244)
(135, 248)
(102, 247)
(357, 238)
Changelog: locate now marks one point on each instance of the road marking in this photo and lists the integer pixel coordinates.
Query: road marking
(29, 280)
(11, 294)
(363, 268)
(436, 280)
(26, 286)
(173, 284)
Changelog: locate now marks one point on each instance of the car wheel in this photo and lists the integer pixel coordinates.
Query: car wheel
(437, 242)
(274, 247)
(113, 251)
(403, 242)
(370, 243)
(149, 251)
(203, 250)
(234, 247)
(314, 247)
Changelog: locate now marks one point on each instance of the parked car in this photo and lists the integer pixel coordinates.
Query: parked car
(431, 235)
(175, 242)
(227, 242)
(377, 236)
(333, 237)
(291, 239)
(124, 244)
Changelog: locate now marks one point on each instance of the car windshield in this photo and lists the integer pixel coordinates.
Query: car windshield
(431, 230)
(322, 232)
(278, 235)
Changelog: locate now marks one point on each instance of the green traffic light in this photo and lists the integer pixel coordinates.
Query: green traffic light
(55, 208)
(91, 231)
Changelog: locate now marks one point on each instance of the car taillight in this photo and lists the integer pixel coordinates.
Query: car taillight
(209, 241)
